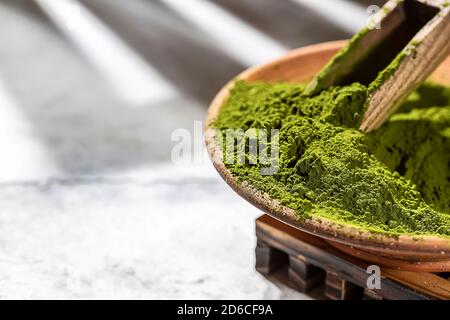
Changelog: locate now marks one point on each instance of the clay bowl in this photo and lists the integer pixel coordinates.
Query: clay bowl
(422, 253)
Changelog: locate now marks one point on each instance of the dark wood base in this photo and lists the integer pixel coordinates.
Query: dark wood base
(312, 263)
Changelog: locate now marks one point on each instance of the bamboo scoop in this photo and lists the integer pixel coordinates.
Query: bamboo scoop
(406, 41)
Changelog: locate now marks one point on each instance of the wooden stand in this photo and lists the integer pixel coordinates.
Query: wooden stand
(312, 263)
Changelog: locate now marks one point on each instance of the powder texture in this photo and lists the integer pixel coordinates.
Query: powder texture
(394, 181)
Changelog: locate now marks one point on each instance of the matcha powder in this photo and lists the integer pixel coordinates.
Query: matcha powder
(395, 180)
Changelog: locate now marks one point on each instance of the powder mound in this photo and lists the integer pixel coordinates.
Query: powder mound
(395, 180)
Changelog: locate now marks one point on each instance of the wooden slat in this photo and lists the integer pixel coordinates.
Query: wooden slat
(424, 282)
(395, 284)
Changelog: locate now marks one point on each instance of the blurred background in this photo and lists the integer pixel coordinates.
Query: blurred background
(91, 93)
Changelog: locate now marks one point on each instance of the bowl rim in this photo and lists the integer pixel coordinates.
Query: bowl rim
(428, 246)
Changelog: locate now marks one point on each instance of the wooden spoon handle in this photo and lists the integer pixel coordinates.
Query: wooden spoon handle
(426, 51)
(407, 40)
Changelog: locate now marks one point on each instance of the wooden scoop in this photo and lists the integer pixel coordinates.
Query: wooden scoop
(405, 42)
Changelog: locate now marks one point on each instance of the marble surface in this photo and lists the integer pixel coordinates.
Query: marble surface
(161, 233)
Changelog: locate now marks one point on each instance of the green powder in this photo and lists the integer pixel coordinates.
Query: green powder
(395, 180)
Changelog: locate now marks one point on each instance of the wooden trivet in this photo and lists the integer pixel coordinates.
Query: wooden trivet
(312, 263)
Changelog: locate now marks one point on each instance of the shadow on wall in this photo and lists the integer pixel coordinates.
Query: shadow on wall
(85, 127)
(178, 50)
(291, 24)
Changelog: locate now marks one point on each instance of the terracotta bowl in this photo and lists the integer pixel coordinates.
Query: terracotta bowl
(426, 253)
